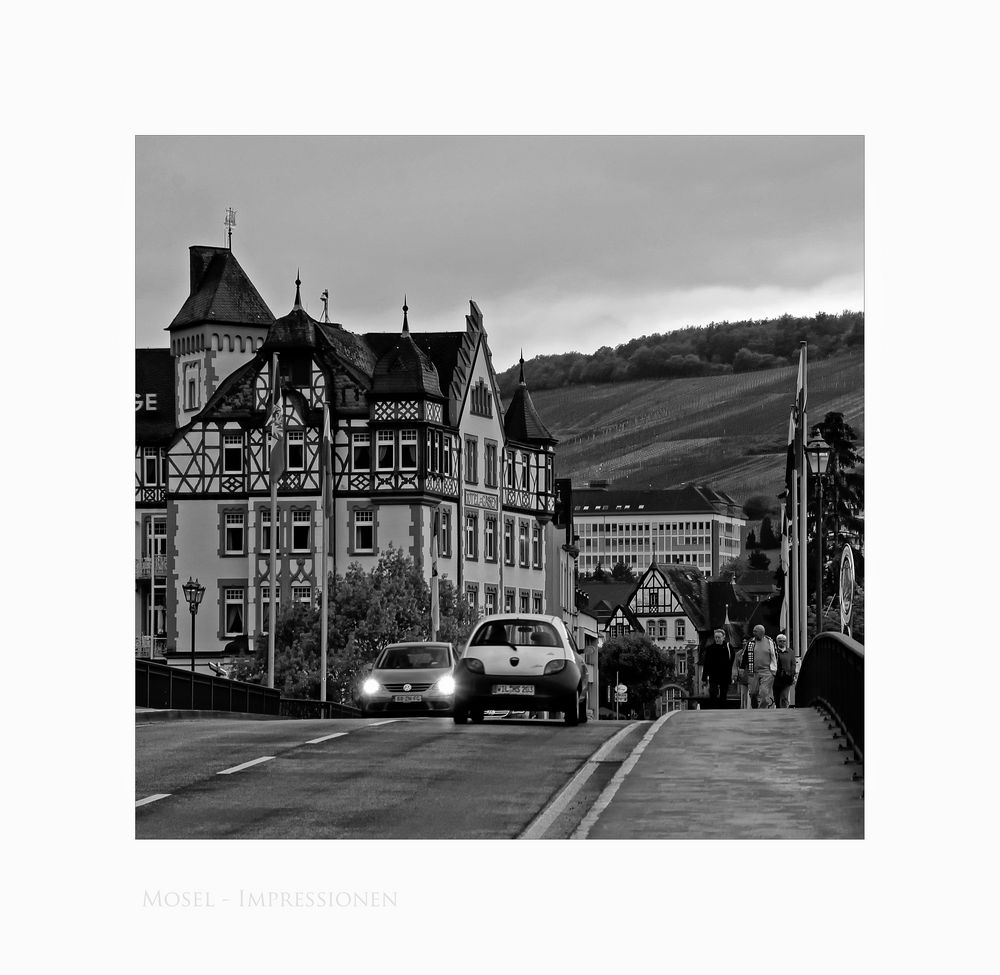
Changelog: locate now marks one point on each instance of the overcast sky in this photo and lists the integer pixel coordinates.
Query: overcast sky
(565, 243)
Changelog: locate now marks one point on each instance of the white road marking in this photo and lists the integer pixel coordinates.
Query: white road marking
(537, 828)
(316, 741)
(152, 798)
(239, 768)
(375, 724)
(604, 799)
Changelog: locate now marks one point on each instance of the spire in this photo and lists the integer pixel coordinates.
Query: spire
(298, 296)
(520, 378)
(406, 324)
(325, 298)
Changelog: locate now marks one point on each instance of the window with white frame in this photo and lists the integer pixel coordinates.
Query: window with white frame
(508, 469)
(471, 460)
(151, 466)
(361, 452)
(296, 450)
(472, 536)
(490, 600)
(446, 455)
(385, 457)
(490, 539)
(508, 541)
(446, 532)
(364, 530)
(509, 597)
(472, 594)
(490, 465)
(680, 629)
(536, 546)
(536, 602)
(234, 612)
(408, 450)
(235, 532)
(265, 529)
(522, 543)
(525, 471)
(523, 600)
(191, 398)
(663, 630)
(265, 607)
(301, 531)
(302, 594)
(681, 664)
(232, 453)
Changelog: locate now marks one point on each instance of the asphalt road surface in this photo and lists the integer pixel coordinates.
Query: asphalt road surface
(407, 778)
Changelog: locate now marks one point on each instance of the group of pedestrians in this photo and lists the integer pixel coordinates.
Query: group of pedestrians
(763, 669)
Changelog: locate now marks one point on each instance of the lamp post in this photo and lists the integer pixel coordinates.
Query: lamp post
(818, 455)
(193, 593)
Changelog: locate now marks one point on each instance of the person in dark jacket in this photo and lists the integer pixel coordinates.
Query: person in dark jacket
(784, 679)
(718, 669)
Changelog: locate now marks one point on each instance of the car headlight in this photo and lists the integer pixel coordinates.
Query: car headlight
(474, 664)
(554, 667)
(446, 685)
(370, 686)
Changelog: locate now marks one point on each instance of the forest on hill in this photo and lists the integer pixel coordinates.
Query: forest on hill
(719, 348)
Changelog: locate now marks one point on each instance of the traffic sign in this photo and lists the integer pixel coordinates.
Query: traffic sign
(621, 688)
(621, 696)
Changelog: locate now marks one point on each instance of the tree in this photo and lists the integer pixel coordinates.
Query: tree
(758, 560)
(768, 539)
(752, 541)
(599, 574)
(638, 663)
(732, 568)
(368, 610)
(622, 572)
(760, 505)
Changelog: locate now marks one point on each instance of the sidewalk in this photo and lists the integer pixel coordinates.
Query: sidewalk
(738, 775)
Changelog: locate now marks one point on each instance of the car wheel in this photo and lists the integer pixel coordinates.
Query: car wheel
(460, 715)
(583, 711)
(477, 714)
(571, 714)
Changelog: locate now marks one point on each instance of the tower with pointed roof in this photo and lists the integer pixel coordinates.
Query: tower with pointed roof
(221, 324)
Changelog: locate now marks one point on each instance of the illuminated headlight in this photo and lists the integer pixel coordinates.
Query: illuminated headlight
(370, 686)
(446, 685)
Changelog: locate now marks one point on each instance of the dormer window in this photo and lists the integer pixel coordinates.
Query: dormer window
(232, 453)
(481, 401)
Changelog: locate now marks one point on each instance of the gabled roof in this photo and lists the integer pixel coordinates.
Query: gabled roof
(521, 421)
(154, 376)
(603, 597)
(220, 292)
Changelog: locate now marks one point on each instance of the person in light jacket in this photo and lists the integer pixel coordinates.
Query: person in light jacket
(760, 659)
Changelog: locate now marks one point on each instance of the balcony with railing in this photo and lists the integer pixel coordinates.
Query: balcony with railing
(150, 566)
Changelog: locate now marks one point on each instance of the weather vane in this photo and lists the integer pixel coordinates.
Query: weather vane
(230, 223)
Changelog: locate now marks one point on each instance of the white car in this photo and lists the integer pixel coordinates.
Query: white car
(520, 662)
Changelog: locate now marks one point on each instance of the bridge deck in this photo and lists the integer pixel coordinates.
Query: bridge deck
(738, 775)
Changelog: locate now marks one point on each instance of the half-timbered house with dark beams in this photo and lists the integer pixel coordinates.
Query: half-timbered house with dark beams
(418, 427)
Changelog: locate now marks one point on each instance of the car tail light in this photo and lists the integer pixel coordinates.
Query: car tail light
(474, 665)
(554, 666)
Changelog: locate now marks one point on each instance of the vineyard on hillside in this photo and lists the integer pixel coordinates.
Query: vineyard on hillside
(727, 430)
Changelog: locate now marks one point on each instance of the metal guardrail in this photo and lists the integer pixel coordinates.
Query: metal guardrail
(160, 686)
(294, 707)
(150, 566)
(832, 676)
(150, 646)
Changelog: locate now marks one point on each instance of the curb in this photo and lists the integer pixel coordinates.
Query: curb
(176, 714)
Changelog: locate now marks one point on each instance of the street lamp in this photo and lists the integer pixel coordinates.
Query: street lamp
(818, 454)
(193, 593)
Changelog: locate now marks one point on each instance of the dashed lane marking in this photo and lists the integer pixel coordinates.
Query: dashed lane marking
(239, 768)
(152, 798)
(316, 741)
(537, 828)
(375, 724)
(604, 799)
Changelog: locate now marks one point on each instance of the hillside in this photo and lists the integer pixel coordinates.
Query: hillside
(726, 430)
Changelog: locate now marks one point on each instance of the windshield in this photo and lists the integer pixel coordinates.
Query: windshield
(517, 633)
(414, 658)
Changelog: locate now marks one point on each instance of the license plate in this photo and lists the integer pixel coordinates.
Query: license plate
(407, 698)
(513, 688)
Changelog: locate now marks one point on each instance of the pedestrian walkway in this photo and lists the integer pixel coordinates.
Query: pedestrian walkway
(775, 774)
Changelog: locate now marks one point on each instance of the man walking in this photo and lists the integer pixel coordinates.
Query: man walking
(761, 659)
(785, 677)
(718, 669)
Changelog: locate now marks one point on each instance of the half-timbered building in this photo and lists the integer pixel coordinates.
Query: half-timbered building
(418, 428)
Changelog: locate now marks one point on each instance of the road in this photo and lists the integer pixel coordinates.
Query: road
(408, 778)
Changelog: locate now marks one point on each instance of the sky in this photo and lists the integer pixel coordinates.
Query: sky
(565, 243)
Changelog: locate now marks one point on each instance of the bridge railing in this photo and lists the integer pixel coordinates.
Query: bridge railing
(832, 675)
(160, 686)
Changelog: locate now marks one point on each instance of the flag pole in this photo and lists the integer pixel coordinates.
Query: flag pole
(272, 565)
(325, 504)
(792, 579)
(803, 506)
